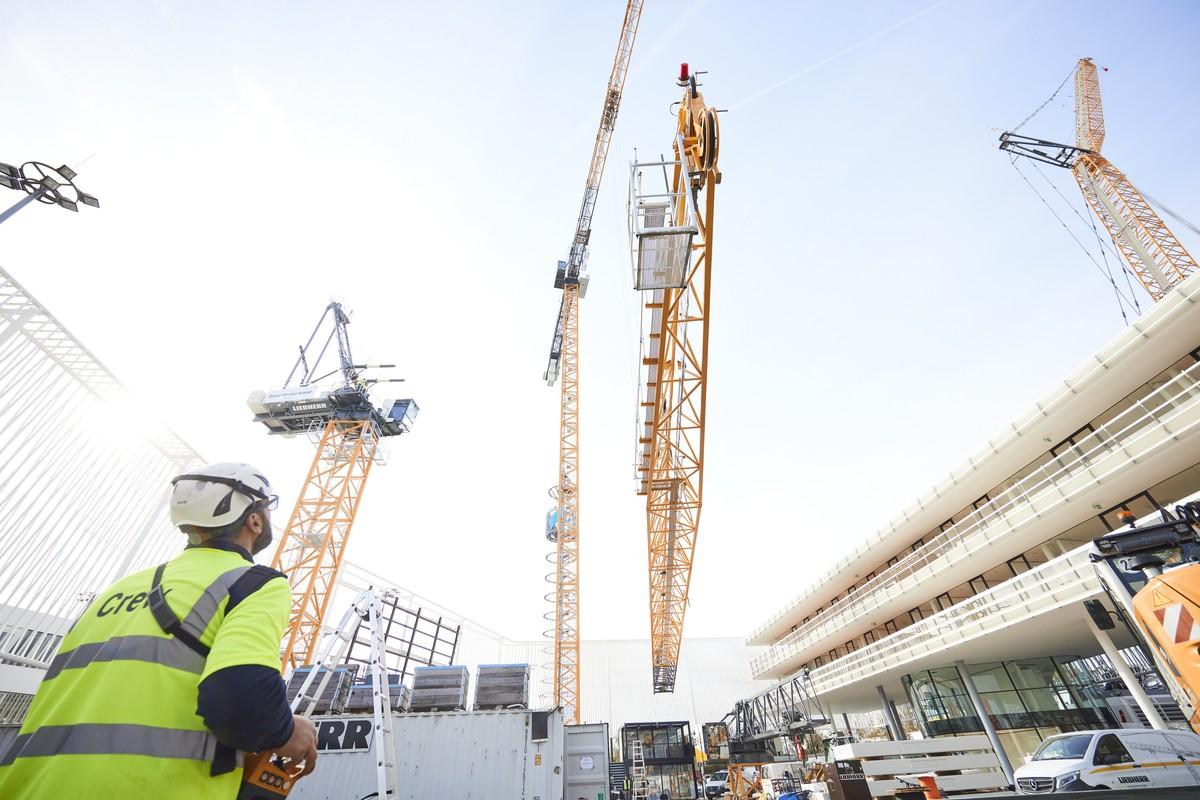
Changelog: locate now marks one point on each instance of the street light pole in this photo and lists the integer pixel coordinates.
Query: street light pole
(44, 184)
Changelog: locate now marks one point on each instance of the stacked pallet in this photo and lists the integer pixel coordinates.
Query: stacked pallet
(333, 698)
(362, 695)
(439, 689)
(502, 686)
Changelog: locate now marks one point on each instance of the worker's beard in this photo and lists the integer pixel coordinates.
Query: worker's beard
(262, 541)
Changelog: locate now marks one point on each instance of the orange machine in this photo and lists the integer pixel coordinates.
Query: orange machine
(1152, 575)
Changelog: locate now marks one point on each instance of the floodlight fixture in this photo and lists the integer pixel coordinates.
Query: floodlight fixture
(43, 183)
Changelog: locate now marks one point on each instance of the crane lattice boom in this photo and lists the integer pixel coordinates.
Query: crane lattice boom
(571, 271)
(673, 266)
(1147, 246)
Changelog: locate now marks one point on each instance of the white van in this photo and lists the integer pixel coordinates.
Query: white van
(1112, 759)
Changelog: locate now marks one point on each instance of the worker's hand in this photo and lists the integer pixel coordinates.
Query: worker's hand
(302, 746)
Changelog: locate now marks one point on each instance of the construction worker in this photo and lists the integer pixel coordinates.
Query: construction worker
(171, 671)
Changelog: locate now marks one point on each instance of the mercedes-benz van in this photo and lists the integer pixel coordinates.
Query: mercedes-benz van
(1112, 759)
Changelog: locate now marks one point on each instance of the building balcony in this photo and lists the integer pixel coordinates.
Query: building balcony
(1058, 585)
(1154, 438)
(1133, 357)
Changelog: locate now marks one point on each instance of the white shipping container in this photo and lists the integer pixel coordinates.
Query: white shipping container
(467, 755)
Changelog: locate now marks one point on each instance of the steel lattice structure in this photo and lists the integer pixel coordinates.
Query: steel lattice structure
(84, 479)
(571, 278)
(311, 548)
(675, 383)
(566, 596)
(1147, 246)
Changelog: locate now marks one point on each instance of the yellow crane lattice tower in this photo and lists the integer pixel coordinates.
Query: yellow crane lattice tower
(310, 550)
(347, 427)
(571, 278)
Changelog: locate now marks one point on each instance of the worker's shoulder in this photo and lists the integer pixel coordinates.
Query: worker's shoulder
(269, 584)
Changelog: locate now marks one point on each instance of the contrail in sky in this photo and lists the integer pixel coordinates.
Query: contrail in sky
(839, 54)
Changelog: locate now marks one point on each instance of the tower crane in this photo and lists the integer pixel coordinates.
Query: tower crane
(671, 232)
(571, 277)
(346, 426)
(1151, 252)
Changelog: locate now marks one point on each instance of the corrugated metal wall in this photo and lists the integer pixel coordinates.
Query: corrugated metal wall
(485, 755)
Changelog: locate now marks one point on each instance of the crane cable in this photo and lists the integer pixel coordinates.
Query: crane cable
(1047, 102)
(1174, 215)
(1121, 300)
(1104, 247)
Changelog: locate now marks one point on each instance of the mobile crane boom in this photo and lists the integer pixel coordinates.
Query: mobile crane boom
(1150, 251)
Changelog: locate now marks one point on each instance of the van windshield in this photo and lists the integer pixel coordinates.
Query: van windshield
(1063, 747)
(718, 776)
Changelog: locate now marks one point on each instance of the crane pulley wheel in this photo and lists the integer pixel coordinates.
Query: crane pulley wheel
(709, 139)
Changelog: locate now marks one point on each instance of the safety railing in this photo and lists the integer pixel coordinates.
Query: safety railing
(1070, 578)
(1159, 321)
(1170, 410)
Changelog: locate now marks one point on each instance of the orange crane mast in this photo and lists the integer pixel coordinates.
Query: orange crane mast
(571, 278)
(1150, 251)
(347, 428)
(672, 238)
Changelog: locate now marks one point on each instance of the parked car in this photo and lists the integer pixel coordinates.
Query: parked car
(714, 784)
(1112, 759)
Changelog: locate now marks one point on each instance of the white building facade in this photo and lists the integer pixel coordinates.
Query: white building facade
(987, 572)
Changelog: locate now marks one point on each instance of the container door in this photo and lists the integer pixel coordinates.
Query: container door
(585, 762)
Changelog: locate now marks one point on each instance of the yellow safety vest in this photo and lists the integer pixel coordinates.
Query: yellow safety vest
(115, 715)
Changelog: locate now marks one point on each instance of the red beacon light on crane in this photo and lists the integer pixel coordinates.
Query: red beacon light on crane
(683, 73)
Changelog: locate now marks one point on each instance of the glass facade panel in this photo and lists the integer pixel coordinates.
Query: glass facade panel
(990, 677)
(1022, 695)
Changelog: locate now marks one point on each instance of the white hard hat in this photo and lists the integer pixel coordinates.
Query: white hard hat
(217, 494)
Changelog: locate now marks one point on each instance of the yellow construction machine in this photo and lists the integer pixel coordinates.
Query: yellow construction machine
(1152, 575)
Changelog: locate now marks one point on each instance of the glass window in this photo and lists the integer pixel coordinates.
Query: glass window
(1037, 674)
(1109, 750)
(1064, 747)
(990, 677)
(999, 704)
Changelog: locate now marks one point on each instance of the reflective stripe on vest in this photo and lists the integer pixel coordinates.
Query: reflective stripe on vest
(168, 652)
(205, 608)
(154, 649)
(100, 739)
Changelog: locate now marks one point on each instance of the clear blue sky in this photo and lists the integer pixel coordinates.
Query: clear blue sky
(887, 292)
